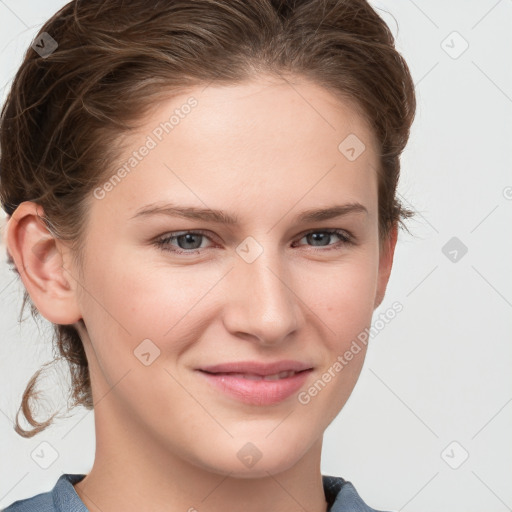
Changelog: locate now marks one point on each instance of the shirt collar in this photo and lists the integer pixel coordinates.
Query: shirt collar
(341, 496)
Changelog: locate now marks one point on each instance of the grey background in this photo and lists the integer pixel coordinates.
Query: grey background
(438, 373)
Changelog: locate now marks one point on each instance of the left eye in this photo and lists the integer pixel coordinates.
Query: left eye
(188, 239)
(189, 242)
(325, 235)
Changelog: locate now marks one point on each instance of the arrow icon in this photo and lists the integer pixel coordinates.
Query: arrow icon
(351, 147)
(249, 253)
(454, 45)
(249, 455)
(146, 352)
(44, 455)
(454, 249)
(454, 455)
(45, 45)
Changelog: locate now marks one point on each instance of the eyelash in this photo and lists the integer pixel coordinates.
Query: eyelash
(163, 243)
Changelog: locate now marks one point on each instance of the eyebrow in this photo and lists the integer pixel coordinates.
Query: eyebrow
(222, 217)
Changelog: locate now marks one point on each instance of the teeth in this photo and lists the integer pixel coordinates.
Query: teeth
(248, 376)
(275, 376)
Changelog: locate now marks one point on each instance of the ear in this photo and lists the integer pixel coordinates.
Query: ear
(387, 252)
(40, 261)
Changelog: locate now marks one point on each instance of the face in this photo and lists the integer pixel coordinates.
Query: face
(185, 313)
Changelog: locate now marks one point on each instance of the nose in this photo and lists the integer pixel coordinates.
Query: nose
(261, 304)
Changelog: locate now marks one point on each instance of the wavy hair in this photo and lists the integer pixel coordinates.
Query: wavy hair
(65, 112)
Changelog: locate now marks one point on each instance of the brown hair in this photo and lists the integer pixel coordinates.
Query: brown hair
(65, 111)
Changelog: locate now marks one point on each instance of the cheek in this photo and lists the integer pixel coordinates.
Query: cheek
(343, 295)
(345, 307)
(174, 306)
(139, 299)
(124, 307)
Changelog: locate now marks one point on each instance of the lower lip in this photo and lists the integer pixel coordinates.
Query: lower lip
(257, 392)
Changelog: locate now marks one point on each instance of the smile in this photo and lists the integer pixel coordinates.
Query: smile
(255, 389)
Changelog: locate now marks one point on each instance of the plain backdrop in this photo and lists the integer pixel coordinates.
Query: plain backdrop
(428, 424)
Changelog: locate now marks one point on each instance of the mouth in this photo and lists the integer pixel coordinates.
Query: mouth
(257, 386)
(253, 376)
(257, 368)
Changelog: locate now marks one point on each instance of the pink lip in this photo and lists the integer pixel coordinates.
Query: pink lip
(227, 378)
(257, 368)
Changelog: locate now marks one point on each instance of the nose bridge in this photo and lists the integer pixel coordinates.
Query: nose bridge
(262, 302)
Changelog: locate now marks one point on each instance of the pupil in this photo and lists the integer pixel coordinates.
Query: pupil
(189, 239)
(318, 236)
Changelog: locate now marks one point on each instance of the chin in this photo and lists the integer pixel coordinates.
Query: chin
(251, 462)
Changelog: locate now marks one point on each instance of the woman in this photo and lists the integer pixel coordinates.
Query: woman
(201, 199)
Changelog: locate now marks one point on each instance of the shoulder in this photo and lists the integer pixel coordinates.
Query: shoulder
(342, 496)
(62, 497)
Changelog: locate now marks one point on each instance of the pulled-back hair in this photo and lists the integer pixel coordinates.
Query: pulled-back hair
(66, 110)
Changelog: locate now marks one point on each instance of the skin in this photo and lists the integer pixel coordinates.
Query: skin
(265, 151)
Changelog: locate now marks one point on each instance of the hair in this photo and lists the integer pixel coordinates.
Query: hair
(65, 112)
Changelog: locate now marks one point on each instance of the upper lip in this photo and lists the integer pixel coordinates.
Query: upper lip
(257, 368)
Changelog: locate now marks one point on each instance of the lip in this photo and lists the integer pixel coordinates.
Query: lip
(227, 378)
(257, 368)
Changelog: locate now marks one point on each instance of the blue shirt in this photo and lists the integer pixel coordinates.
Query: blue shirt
(340, 494)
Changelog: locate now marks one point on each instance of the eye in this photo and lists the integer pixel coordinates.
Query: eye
(190, 242)
(322, 237)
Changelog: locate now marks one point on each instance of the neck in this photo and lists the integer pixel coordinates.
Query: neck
(133, 471)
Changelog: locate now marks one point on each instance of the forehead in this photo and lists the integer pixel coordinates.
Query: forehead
(264, 140)
(262, 108)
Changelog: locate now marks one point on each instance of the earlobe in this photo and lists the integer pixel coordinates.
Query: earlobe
(387, 252)
(38, 257)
